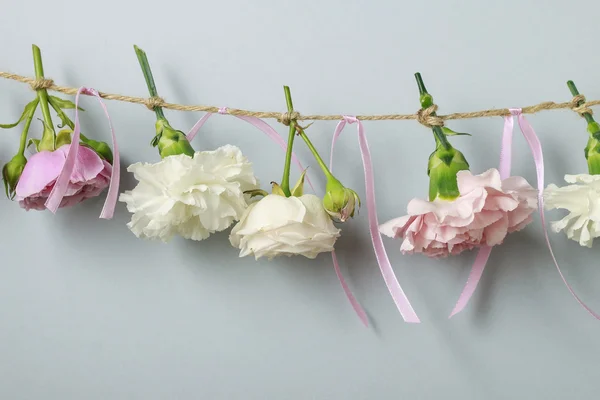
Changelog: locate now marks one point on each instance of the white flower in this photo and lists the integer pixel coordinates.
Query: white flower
(191, 197)
(582, 200)
(278, 225)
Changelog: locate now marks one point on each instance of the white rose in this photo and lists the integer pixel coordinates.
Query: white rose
(582, 200)
(278, 225)
(189, 196)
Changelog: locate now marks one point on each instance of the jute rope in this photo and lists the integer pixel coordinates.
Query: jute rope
(426, 116)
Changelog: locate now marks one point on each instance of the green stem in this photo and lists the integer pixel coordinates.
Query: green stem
(420, 84)
(588, 117)
(42, 93)
(285, 180)
(426, 101)
(23, 141)
(316, 154)
(143, 60)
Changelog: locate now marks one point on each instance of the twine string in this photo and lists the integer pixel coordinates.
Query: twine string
(578, 104)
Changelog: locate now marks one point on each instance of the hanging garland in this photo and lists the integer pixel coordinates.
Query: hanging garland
(193, 194)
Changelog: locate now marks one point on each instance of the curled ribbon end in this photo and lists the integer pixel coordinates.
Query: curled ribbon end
(360, 312)
(364, 319)
(51, 209)
(108, 215)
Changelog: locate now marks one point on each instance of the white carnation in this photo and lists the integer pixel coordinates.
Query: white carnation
(582, 200)
(278, 225)
(190, 197)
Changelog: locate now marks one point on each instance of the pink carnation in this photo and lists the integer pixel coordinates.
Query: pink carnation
(487, 209)
(90, 177)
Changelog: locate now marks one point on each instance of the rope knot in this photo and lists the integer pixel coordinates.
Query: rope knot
(286, 118)
(426, 117)
(152, 102)
(41, 83)
(578, 105)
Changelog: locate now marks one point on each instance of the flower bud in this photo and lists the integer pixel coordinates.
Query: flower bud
(171, 142)
(339, 201)
(443, 166)
(11, 173)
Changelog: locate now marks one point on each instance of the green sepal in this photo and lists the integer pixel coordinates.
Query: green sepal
(57, 102)
(298, 189)
(35, 142)
(63, 137)
(256, 192)
(276, 189)
(48, 141)
(29, 108)
(450, 132)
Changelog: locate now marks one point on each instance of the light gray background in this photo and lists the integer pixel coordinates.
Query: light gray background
(90, 312)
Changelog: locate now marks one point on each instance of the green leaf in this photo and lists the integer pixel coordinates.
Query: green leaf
(450, 132)
(62, 103)
(29, 108)
(298, 190)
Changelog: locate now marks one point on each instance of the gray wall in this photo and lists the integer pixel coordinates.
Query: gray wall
(90, 312)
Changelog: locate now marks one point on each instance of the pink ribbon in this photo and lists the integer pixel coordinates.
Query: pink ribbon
(484, 252)
(62, 182)
(505, 167)
(400, 299)
(355, 304)
(256, 122)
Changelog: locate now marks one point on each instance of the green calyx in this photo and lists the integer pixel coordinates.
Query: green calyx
(592, 148)
(170, 142)
(445, 162)
(340, 202)
(442, 168)
(11, 173)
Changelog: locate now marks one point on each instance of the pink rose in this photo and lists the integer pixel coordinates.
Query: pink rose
(487, 209)
(90, 177)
